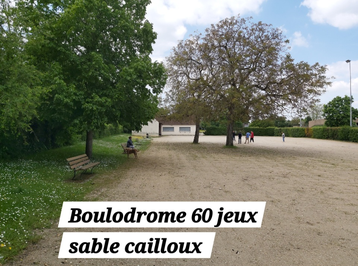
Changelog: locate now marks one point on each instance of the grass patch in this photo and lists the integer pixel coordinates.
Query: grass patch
(230, 147)
(33, 188)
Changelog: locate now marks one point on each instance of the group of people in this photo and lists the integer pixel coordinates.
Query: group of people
(249, 137)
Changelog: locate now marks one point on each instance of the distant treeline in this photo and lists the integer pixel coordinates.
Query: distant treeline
(345, 133)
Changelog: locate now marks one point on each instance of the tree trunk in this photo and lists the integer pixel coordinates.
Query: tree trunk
(197, 131)
(229, 140)
(89, 141)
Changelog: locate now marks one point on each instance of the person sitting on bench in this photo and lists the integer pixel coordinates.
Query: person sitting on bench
(130, 143)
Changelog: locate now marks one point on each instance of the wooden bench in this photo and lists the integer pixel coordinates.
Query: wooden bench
(81, 163)
(128, 151)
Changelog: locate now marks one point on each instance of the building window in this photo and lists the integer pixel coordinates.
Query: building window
(168, 129)
(184, 129)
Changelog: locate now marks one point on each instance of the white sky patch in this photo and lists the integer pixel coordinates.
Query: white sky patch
(170, 18)
(283, 29)
(299, 40)
(341, 83)
(342, 14)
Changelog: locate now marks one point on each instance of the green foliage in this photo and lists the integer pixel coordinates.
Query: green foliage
(343, 133)
(259, 131)
(95, 60)
(34, 187)
(297, 132)
(307, 120)
(337, 112)
(106, 131)
(281, 122)
(42, 137)
(353, 134)
(332, 132)
(308, 132)
(335, 133)
(263, 123)
(320, 132)
(19, 80)
(213, 130)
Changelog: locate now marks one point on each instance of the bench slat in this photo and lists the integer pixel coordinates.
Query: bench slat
(76, 157)
(89, 165)
(79, 165)
(82, 160)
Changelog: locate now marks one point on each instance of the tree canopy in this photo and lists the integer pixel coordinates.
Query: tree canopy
(337, 112)
(242, 69)
(95, 60)
(19, 81)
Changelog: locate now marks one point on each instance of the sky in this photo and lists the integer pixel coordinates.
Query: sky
(323, 31)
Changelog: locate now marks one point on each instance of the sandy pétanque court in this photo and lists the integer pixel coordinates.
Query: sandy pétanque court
(310, 187)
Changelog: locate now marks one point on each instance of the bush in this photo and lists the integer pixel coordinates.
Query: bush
(353, 134)
(332, 132)
(343, 133)
(108, 130)
(298, 132)
(214, 131)
(320, 132)
(260, 131)
(308, 132)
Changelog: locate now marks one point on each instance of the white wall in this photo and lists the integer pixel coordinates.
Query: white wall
(176, 130)
(152, 129)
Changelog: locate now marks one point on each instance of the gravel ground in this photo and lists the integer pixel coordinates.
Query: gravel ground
(309, 186)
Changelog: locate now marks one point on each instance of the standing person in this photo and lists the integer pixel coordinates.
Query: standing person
(239, 138)
(252, 136)
(233, 135)
(283, 136)
(247, 137)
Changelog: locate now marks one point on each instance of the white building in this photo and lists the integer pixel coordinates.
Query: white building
(167, 128)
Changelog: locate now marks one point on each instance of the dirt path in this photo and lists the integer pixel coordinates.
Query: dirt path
(310, 188)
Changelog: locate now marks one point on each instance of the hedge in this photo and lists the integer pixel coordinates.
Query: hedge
(353, 134)
(260, 131)
(345, 133)
(297, 132)
(215, 130)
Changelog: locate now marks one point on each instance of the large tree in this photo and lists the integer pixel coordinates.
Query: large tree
(337, 112)
(19, 81)
(187, 84)
(249, 72)
(96, 56)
